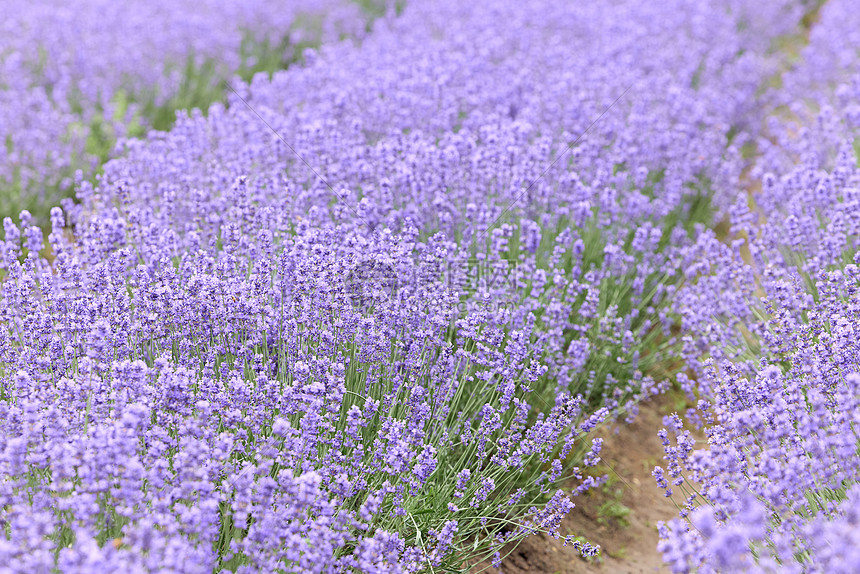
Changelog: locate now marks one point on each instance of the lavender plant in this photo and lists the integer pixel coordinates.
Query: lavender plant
(775, 488)
(77, 79)
(260, 412)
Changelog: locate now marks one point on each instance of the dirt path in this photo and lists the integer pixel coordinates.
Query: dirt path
(621, 516)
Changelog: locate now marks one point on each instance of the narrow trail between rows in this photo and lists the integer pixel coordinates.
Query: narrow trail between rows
(622, 516)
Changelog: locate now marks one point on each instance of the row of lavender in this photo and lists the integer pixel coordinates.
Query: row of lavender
(366, 315)
(76, 77)
(778, 314)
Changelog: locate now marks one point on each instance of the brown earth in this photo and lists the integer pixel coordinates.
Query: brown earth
(621, 516)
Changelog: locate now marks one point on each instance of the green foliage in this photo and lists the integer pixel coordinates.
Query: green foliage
(612, 510)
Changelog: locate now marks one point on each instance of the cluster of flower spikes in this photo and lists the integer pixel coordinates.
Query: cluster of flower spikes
(70, 70)
(478, 142)
(776, 488)
(799, 218)
(261, 417)
(276, 379)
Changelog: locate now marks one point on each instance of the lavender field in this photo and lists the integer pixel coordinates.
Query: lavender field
(359, 286)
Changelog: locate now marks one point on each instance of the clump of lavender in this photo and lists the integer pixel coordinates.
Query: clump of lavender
(776, 487)
(76, 79)
(253, 417)
(777, 484)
